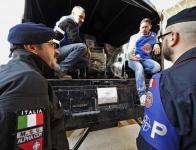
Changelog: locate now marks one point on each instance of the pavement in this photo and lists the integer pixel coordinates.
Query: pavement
(122, 137)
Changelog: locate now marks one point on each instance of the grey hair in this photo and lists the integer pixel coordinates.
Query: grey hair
(76, 8)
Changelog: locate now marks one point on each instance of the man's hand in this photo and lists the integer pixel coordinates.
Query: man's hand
(156, 49)
(88, 54)
(132, 56)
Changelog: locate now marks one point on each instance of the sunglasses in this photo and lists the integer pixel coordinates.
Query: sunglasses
(161, 37)
(55, 45)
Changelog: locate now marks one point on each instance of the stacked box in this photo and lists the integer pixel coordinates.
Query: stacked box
(90, 41)
(98, 60)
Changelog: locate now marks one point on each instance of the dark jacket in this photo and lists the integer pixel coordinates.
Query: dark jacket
(178, 100)
(71, 29)
(23, 91)
(178, 93)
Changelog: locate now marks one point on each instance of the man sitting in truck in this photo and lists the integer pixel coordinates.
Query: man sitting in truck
(72, 49)
(139, 56)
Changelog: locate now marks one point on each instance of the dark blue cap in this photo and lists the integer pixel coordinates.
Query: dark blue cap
(185, 15)
(30, 33)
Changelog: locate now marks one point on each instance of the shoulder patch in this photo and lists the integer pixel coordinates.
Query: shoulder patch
(30, 118)
(30, 129)
(149, 99)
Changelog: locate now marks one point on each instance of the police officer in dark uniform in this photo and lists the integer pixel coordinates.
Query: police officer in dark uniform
(170, 114)
(31, 117)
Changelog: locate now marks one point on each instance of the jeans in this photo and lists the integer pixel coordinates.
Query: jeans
(69, 55)
(139, 67)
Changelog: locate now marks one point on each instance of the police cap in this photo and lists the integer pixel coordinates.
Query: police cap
(185, 15)
(30, 33)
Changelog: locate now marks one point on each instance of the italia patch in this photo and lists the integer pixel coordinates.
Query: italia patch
(30, 129)
(30, 118)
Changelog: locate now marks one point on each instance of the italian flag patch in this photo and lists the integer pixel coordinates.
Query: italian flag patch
(30, 120)
(152, 83)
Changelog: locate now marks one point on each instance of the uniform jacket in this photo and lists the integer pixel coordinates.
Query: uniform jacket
(178, 93)
(157, 132)
(26, 95)
(173, 108)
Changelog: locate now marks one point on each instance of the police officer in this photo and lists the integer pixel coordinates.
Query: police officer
(170, 114)
(30, 115)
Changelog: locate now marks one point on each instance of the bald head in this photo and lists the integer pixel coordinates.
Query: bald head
(76, 9)
(181, 39)
(180, 34)
(187, 30)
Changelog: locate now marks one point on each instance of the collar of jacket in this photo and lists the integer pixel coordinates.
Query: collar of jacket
(190, 54)
(72, 17)
(35, 61)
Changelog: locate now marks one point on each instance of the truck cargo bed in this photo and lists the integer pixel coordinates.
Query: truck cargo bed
(85, 104)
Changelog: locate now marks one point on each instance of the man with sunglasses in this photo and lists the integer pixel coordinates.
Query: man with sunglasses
(72, 49)
(31, 116)
(140, 48)
(169, 121)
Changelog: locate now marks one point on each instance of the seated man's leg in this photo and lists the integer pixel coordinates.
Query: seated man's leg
(151, 66)
(81, 63)
(70, 54)
(137, 67)
(82, 67)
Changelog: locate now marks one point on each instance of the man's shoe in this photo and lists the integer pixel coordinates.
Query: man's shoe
(63, 75)
(66, 76)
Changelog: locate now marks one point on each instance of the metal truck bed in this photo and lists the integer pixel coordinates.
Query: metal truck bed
(85, 104)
